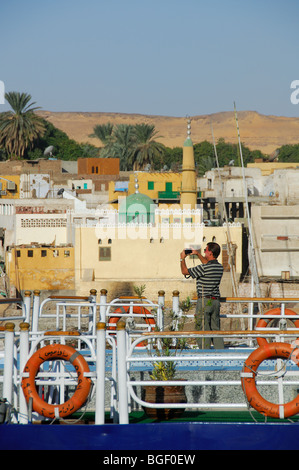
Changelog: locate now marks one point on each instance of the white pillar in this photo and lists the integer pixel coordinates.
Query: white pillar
(35, 310)
(24, 351)
(8, 361)
(161, 304)
(93, 311)
(103, 302)
(123, 409)
(27, 303)
(100, 371)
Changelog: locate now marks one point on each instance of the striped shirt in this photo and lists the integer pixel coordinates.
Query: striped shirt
(208, 277)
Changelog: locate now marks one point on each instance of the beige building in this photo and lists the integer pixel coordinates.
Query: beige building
(268, 168)
(41, 267)
(142, 254)
(276, 240)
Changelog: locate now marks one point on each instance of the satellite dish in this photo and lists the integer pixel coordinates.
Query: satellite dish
(231, 163)
(49, 150)
(274, 156)
(60, 191)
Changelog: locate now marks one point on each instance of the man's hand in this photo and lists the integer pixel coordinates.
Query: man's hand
(184, 269)
(199, 255)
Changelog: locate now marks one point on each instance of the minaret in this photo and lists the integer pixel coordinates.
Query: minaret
(189, 189)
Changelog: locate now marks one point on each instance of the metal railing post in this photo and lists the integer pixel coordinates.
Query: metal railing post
(161, 304)
(123, 409)
(93, 311)
(8, 361)
(176, 307)
(35, 310)
(24, 350)
(100, 371)
(27, 303)
(103, 301)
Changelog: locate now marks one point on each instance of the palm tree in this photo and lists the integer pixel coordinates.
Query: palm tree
(206, 164)
(146, 148)
(134, 145)
(122, 146)
(103, 132)
(21, 126)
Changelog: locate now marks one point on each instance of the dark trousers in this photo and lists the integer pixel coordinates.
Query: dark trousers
(207, 318)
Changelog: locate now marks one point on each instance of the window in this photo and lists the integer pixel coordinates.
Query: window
(57, 222)
(150, 185)
(43, 253)
(18, 253)
(67, 253)
(30, 253)
(105, 254)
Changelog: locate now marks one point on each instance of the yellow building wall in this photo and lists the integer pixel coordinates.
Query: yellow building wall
(6, 192)
(141, 253)
(146, 181)
(43, 268)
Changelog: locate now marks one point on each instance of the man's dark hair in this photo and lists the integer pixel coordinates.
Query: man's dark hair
(214, 248)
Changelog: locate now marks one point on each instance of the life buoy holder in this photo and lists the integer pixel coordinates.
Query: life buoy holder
(50, 353)
(264, 322)
(124, 310)
(248, 376)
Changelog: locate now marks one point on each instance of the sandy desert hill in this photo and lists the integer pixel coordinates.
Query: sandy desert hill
(257, 131)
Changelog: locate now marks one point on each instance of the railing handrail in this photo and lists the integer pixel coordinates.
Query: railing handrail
(256, 299)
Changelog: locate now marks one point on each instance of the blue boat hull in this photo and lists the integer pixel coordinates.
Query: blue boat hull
(158, 436)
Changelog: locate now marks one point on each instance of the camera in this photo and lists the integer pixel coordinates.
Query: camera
(188, 252)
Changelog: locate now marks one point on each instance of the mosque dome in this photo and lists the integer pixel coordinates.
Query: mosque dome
(137, 208)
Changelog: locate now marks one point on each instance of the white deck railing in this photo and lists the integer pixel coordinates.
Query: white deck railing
(123, 347)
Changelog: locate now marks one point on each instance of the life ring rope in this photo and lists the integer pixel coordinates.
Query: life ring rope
(250, 372)
(50, 353)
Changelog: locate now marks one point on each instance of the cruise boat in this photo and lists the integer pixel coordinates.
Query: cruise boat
(74, 374)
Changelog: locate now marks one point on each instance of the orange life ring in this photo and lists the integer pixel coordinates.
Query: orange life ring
(269, 351)
(49, 353)
(123, 310)
(263, 322)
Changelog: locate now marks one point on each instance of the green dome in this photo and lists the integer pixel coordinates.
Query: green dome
(138, 208)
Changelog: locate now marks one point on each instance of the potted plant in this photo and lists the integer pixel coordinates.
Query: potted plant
(164, 370)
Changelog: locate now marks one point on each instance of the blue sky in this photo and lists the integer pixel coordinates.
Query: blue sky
(155, 57)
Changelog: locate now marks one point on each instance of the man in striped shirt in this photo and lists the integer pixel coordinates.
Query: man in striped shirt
(208, 277)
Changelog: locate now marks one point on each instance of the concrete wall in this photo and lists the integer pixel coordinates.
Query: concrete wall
(276, 237)
(98, 166)
(151, 261)
(44, 268)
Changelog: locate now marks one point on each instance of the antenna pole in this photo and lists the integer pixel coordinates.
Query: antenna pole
(229, 242)
(252, 250)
